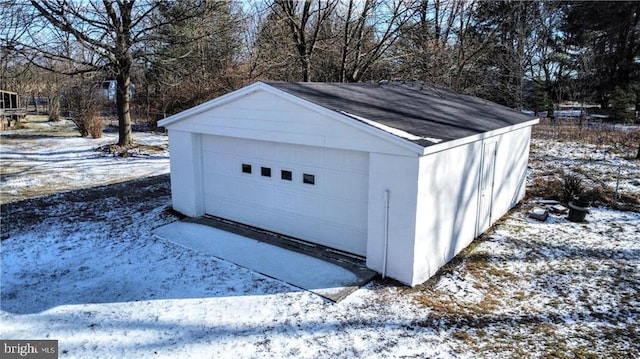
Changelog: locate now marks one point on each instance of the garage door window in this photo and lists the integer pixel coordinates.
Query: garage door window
(308, 179)
(246, 168)
(286, 175)
(265, 171)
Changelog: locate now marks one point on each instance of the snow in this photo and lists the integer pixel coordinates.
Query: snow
(392, 130)
(75, 163)
(79, 264)
(592, 163)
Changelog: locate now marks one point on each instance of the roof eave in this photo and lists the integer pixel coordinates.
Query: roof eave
(477, 137)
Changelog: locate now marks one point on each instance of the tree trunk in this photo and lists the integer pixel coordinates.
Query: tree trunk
(306, 68)
(54, 108)
(345, 44)
(123, 101)
(35, 104)
(123, 72)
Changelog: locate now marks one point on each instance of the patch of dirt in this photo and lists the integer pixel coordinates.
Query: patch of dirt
(132, 150)
(34, 129)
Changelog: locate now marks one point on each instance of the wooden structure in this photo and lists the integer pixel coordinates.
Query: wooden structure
(10, 109)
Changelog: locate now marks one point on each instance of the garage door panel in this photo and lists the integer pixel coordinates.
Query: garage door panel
(265, 215)
(357, 188)
(342, 237)
(286, 199)
(219, 144)
(285, 154)
(331, 212)
(234, 146)
(209, 160)
(214, 187)
(334, 159)
(221, 165)
(228, 188)
(265, 149)
(248, 192)
(344, 212)
(346, 185)
(225, 208)
(305, 227)
(308, 204)
(334, 179)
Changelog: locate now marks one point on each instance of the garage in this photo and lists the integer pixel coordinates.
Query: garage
(313, 193)
(402, 174)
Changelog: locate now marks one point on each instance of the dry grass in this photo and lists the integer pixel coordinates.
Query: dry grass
(599, 141)
(616, 138)
(41, 126)
(503, 321)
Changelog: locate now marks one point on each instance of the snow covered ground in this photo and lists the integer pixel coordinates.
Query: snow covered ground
(79, 264)
(596, 165)
(41, 164)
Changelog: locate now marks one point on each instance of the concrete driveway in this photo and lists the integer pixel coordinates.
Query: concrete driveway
(301, 265)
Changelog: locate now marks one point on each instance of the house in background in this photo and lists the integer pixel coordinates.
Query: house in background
(110, 87)
(404, 175)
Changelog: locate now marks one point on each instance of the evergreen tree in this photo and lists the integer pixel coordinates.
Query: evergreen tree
(607, 32)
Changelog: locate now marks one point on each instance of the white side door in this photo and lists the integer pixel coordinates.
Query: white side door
(486, 186)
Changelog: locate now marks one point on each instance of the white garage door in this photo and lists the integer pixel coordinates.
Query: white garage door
(316, 194)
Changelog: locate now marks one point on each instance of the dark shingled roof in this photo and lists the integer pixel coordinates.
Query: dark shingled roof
(417, 108)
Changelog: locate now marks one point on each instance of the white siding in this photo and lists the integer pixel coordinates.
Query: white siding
(512, 157)
(264, 116)
(447, 207)
(449, 197)
(398, 175)
(186, 173)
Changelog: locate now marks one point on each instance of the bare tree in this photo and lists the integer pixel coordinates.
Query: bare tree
(105, 32)
(336, 40)
(305, 20)
(272, 51)
(370, 27)
(95, 36)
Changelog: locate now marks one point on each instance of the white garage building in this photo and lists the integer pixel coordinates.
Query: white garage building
(403, 174)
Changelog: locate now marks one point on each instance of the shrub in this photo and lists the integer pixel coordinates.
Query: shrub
(572, 188)
(89, 125)
(86, 102)
(95, 126)
(550, 188)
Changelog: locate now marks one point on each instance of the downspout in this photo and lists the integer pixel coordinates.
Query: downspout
(387, 194)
